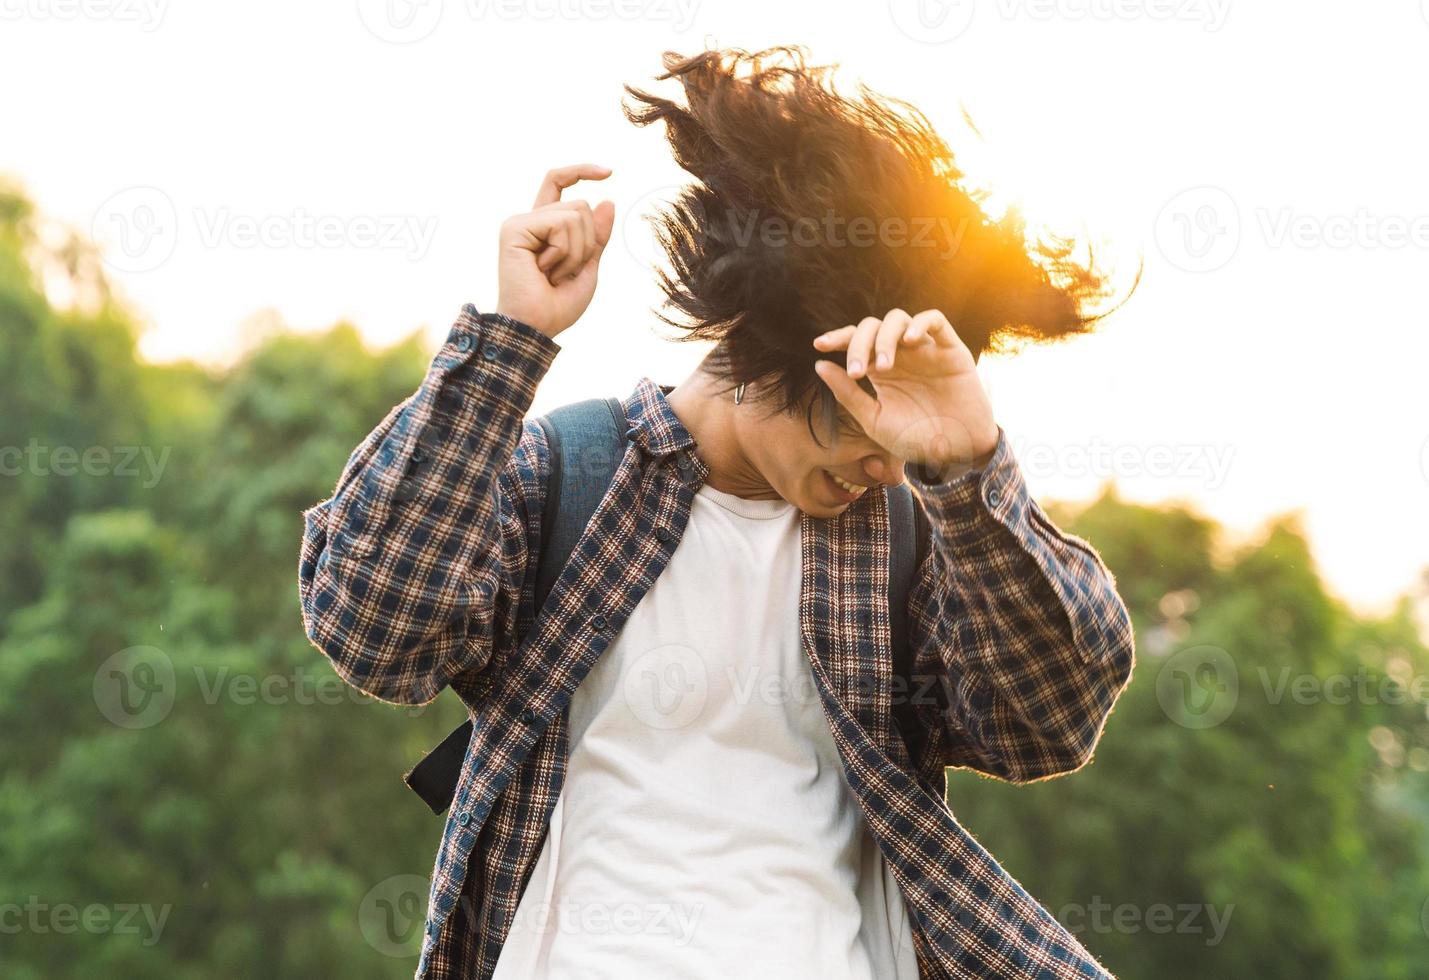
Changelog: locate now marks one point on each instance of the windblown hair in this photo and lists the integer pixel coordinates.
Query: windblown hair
(812, 210)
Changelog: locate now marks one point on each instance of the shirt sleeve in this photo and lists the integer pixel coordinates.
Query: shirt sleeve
(418, 561)
(1020, 623)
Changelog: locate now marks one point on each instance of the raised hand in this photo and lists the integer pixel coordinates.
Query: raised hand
(549, 256)
(931, 408)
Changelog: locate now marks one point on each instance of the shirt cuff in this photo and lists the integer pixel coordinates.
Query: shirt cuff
(987, 516)
(965, 490)
(459, 427)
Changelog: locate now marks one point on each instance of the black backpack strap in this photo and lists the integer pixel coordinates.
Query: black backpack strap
(586, 441)
(908, 538)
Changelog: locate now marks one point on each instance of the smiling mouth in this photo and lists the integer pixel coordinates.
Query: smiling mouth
(848, 491)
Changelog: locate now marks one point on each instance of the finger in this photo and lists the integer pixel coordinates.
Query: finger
(932, 323)
(590, 230)
(578, 248)
(587, 224)
(575, 205)
(835, 339)
(861, 405)
(604, 216)
(860, 346)
(559, 179)
(920, 327)
(555, 245)
(890, 332)
(533, 229)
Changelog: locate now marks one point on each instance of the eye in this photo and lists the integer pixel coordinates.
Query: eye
(848, 425)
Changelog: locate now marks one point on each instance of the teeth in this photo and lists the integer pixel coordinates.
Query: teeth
(853, 488)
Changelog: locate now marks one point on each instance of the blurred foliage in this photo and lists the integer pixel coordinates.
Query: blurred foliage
(254, 805)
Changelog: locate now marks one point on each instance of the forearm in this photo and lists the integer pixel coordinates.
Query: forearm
(1024, 619)
(405, 574)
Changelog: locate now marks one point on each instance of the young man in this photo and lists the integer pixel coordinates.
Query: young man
(686, 763)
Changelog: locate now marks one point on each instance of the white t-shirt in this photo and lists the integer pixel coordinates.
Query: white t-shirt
(705, 829)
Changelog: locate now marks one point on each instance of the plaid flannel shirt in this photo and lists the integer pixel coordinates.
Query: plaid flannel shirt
(418, 573)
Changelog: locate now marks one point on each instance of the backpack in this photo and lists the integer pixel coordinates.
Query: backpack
(593, 432)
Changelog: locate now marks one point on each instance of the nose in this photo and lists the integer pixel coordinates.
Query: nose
(885, 468)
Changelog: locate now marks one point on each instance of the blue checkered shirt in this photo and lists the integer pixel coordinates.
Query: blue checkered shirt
(418, 574)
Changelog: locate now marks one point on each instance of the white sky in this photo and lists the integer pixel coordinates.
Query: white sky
(1269, 159)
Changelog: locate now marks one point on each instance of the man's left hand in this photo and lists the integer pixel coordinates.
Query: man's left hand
(931, 408)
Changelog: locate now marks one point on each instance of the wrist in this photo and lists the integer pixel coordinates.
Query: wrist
(976, 454)
(520, 315)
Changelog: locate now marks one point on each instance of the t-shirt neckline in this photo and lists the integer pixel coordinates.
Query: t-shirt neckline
(760, 510)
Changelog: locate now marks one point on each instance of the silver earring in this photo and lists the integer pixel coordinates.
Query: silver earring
(739, 393)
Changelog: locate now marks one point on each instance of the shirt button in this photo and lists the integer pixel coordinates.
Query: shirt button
(598, 621)
(489, 352)
(463, 343)
(994, 497)
(464, 818)
(630, 434)
(527, 716)
(663, 535)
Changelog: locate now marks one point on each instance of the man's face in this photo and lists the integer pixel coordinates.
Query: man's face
(821, 480)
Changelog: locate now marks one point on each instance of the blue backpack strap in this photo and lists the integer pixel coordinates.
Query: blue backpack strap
(585, 441)
(908, 536)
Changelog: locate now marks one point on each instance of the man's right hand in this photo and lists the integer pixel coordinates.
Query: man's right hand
(546, 269)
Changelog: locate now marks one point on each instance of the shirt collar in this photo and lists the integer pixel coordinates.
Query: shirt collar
(654, 426)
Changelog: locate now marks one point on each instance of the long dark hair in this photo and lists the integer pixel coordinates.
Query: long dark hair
(812, 210)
